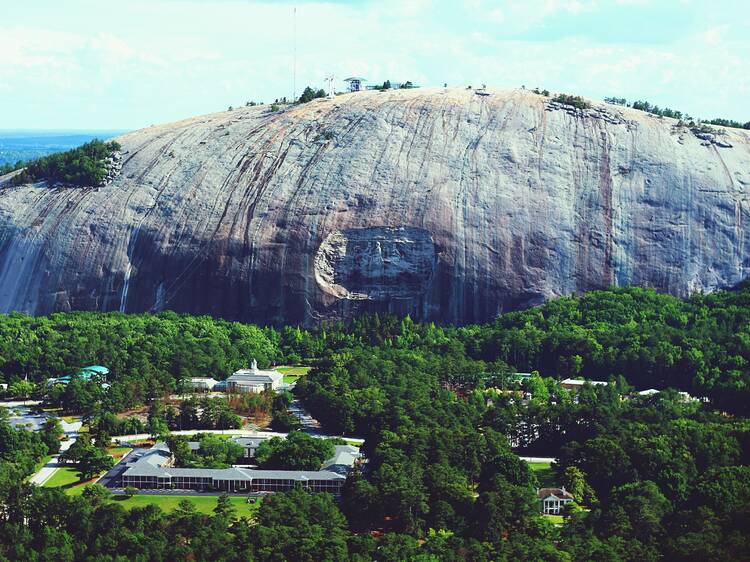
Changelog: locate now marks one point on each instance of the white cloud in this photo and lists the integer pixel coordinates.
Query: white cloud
(159, 60)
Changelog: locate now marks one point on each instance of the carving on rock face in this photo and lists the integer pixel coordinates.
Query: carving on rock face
(376, 263)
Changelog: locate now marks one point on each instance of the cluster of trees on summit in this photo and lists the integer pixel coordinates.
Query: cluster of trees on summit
(655, 477)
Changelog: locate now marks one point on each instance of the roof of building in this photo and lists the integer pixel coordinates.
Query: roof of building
(209, 381)
(253, 376)
(151, 463)
(557, 493)
(580, 382)
(344, 458)
(249, 441)
(355, 78)
(250, 378)
(242, 441)
(648, 392)
(98, 369)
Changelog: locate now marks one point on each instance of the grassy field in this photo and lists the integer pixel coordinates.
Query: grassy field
(556, 519)
(544, 474)
(117, 452)
(64, 477)
(292, 374)
(204, 504)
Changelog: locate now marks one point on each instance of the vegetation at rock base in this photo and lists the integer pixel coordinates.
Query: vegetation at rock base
(82, 166)
(656, 476)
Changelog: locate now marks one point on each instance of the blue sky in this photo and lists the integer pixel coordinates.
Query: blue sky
(86, 64)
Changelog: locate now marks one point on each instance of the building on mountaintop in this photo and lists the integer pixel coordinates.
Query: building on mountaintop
(355, 83)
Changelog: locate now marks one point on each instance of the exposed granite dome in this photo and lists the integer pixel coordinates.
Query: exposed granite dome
(446, 205)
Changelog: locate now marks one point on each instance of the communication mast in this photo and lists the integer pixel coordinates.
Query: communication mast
(329, 80)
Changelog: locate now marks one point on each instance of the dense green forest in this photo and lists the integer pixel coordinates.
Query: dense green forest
(700, 345)
(658, 477)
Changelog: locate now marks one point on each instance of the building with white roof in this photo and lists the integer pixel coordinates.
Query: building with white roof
(574, 384)
(205, 384)
(254, 380)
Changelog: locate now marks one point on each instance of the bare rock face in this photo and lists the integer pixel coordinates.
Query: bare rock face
(445, 205)
(377, 263)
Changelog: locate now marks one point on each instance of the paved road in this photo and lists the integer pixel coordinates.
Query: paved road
(45, 473)
(15, 403)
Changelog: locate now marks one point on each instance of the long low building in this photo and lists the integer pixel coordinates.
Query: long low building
(154, 470)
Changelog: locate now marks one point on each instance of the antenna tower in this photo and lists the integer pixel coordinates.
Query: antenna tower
(329, 81)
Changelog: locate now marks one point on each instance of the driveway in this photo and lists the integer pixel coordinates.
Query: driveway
(46, 472)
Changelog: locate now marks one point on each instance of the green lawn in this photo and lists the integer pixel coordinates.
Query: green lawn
(64, 477)
(544, 474)
(292, 374)
(204, 504)
(556, 519)
(117, 452)
(298, 370)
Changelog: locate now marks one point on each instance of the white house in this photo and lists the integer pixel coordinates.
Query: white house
(553, 500)
(254, 380)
